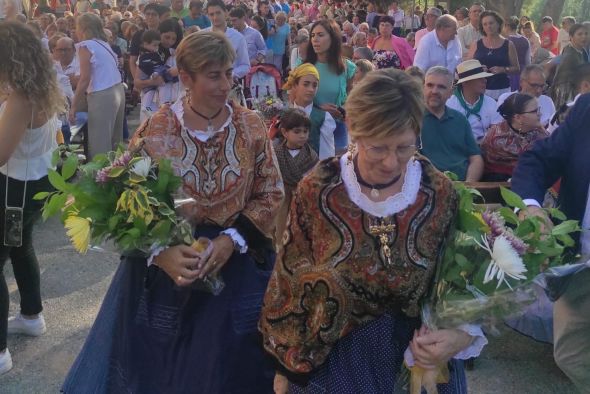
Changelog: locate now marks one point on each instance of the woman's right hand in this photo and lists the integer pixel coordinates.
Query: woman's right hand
(281, 384)
(333, 110)
(180, 263)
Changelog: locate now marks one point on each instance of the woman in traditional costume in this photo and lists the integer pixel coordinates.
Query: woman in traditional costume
(366, 236)
(154, 332)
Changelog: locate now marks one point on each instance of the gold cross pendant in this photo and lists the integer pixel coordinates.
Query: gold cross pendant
(383, 231)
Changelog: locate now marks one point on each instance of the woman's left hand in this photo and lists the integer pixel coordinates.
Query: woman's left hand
(433, 348)
(223, 247)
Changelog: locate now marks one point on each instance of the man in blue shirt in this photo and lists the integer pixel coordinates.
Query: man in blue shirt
(217, 13)
(447, 139)
(254, 40)
(196, 18)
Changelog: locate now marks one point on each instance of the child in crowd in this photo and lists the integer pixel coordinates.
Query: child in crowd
(302, 85)
(295, 156)
(152, 66)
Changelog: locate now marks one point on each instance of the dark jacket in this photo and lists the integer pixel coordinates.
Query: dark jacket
(565, 154)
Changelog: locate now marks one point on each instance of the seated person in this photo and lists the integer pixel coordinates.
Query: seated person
(504, 142)
(303, 85)
(533, 83)
(150, 62)
(447, 139)
(469, 97)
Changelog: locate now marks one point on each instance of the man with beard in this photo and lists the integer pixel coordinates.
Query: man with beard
(447, 139)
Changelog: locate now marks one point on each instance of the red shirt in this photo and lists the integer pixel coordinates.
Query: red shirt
(549, 38)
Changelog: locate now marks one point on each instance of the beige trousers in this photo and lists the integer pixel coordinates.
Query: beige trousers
(106, 112)
(571, 331)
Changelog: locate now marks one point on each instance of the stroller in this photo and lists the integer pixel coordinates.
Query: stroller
(262, 80)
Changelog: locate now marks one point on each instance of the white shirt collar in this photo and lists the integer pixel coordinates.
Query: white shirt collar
(201, 135)
(393, 204)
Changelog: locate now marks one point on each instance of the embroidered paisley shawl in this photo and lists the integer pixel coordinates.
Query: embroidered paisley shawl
(331, 277)
(233, 173)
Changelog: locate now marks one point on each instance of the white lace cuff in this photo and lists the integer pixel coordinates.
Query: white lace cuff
(155, 252)
(239, 242)
(476, 346)
(531, 202)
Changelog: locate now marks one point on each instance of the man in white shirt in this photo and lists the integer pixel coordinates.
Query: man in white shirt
(469, 98)
(398, 16)
(217, 13)
(440, 47)
(469, 33)
(430, 18)
(65, 50)
(563, 38)
(532, 82)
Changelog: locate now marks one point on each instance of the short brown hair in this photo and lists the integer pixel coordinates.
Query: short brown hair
(201, 49)
(384, 103)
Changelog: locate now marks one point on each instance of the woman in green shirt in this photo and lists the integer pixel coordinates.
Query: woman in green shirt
(336, 74)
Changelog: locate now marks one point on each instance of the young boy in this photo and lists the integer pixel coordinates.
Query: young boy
(303, 85)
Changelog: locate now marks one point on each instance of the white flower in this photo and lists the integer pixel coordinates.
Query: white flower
(142, 167)
(505, 262)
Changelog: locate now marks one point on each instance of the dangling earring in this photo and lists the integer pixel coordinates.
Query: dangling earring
(351, 151)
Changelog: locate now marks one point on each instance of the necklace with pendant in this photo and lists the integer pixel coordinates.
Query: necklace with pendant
(374, 187)
(209, 119)
(383, 230)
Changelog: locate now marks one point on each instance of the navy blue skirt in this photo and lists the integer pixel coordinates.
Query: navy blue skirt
(369, 361)
(151, 336)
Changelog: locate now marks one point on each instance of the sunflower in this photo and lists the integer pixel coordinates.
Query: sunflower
(79, 232)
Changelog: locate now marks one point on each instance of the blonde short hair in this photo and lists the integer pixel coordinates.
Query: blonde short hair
(91, 26)
(384, 103)
(202, 49)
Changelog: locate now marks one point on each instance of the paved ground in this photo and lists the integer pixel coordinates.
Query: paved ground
(73, 287)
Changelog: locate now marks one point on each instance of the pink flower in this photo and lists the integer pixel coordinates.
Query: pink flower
(102, 176)
(122, 160)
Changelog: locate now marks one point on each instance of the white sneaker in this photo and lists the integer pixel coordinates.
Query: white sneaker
(32, 327)
(5, 362)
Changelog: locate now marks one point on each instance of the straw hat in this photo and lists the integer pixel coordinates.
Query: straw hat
(471, 69)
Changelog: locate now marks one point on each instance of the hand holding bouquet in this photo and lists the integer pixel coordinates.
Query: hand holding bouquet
(125, 198)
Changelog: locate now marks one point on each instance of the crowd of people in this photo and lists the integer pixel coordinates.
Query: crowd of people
(379, 103)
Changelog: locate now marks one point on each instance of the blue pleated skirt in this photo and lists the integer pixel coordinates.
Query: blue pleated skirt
(369, 361)
(151, 336)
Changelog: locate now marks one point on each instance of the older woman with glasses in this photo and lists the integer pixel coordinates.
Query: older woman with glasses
(365, 238)
(504, 142)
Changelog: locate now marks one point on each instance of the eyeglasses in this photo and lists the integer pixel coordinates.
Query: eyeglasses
(402, 152)
(536, 85)
(537, 111)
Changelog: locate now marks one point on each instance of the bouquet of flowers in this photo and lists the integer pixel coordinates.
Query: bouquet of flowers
(269, 106)
(489, 266)
(125, 198)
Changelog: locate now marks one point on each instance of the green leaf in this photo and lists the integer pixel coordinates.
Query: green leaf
(566, 227)
(56, 180)
(512, 199)
(113, 222)
(54, 205)
(462, 261)
(508, 215)
(41, 196)
(116, 172)
(566, 240)
(452, 176)
(55, 156)
(468, 222)
(557, 214)
(69, 167)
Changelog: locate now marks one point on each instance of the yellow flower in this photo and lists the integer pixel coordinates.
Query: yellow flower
(79, 232)
(479, 217)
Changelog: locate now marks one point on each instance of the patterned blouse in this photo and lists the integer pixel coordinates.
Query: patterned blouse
(501, 147)
(232, 174)
(332, 275)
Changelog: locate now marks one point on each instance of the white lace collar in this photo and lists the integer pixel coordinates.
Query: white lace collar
(201, 135)
(393, 204)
